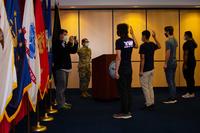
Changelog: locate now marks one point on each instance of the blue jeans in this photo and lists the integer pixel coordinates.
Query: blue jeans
(170, 73)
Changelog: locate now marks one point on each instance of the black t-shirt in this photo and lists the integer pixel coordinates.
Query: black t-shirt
(148, 49)
(126, 46)
(190, 46)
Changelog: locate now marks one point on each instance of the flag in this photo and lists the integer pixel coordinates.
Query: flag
(57, 25)
(56, 32)
(21, 63)
(44, 11)
(32, 51)
(46, 7)
(41, 39)
(49, 19)
(49, 36)
(8, 79)
(48, 25)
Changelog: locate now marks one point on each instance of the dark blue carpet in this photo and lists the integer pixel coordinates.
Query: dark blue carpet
(90, 116)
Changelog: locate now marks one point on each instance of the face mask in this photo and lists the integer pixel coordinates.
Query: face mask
(86, 44)
(166, 34)
(66, 39)
(185, 38)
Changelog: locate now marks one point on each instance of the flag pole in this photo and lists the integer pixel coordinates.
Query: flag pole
(38, 127)
(46, 117)
(28, 117)
(51, 110)
(55, 103)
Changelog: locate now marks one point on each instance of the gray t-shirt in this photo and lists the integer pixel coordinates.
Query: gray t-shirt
(172, 44)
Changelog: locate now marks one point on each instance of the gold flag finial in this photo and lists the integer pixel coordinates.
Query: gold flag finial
(15, 13)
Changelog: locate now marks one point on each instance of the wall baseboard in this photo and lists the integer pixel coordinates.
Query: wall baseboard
(138, 88)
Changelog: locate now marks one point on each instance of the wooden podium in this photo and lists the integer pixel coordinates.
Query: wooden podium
(103, 86)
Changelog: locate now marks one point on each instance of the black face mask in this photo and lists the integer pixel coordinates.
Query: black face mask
(166, 35)
(118, 33)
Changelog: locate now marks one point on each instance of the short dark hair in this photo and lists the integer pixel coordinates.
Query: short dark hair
(62, 31)
(122, 30)
(189, 34)
(83, 40)
(147, 34)
(169, 29)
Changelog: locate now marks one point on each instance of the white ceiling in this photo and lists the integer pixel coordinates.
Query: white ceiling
(128, 3)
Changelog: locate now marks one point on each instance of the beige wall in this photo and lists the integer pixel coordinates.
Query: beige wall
(136, 19)
(99, 26)
(156, 21)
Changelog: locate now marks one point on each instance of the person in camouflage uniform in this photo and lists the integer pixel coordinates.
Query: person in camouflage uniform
(84, 54)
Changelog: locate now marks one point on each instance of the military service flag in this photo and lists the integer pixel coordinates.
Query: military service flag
(21, 63)
(41, 39)
(8, 79)
(32, 51)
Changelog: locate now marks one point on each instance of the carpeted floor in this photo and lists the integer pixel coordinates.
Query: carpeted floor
(90, 116)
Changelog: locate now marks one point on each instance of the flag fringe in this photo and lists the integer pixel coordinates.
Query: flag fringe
(12, 117)
(42, 94)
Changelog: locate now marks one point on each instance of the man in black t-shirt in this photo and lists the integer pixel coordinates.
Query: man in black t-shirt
(146, 52)
(189, 64)
(123, 72)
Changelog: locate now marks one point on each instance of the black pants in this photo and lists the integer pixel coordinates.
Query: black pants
(124, 87)
(189, 77)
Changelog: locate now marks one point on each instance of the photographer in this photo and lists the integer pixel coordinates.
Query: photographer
(62, 65)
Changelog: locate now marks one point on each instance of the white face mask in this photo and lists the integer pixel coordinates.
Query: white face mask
(66, 39)
(86, 44)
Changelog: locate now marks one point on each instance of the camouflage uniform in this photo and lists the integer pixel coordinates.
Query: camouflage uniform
(84, 67)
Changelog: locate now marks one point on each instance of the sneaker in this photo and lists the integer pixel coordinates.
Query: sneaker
(64, 107)
(122, 116)
(188, 95)
(88, 95)
(170, 101)
(68, 104)
(192, 95)
(85, 95)
(148, 108)
(185, 95)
